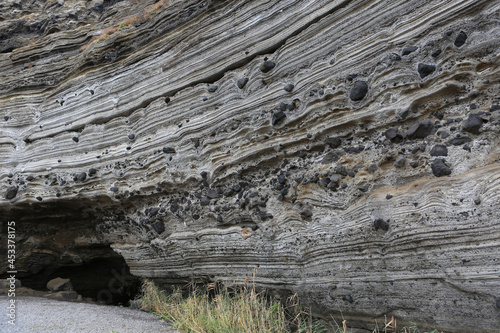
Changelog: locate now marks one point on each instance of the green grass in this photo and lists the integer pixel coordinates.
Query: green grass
(218, 309)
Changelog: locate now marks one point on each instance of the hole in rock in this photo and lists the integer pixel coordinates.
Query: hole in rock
(105, 280)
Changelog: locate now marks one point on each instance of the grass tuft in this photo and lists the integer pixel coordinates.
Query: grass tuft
(219, 309)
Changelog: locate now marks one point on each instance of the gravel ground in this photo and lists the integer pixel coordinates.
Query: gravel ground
(36, 314)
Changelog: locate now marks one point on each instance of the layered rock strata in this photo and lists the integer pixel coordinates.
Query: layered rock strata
(346, 150)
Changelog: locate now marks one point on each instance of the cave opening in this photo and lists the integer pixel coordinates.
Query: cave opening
(104, 280)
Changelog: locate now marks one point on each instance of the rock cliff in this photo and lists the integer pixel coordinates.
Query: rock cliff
(346, 149)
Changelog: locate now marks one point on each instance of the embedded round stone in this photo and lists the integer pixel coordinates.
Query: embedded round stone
(11, 192)
(267, 66)
(358, 91)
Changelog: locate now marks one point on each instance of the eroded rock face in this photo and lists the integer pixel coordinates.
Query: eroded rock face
(200, 142)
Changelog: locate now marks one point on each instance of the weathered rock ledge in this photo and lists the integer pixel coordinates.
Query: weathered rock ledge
(348, 150)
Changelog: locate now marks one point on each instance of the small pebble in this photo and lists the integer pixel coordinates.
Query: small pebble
(289, 87)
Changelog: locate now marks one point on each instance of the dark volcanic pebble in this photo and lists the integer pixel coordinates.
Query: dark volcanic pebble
(39, 198)
(228, 192)
(414, 164)
(340, 169)
(169, 150)
(358, 91)
(380, 224)
(373, 168)
(167, 100)
(158, 227)
(443, 134)
(425, 70)
(348, 298)
(265, 215)
(460, 141)
(389, 196)
(306, 213)
(242, 82)
(408, 50)
(153, 211)
(439, 150)
(289, 87)
(436, 53)
(393, 135)
(461, 38)
(267, 66)
(11, 192)
(76, 139)
(363, 188)
(473, 124)
(400, 162)
(131, 136)
(205, 201)
(212, 194)
(420, 130)
(333, 142)
(439, 168)
(212, 88)
(403, 114)
(80, 177)
(92, 171)
(114, 189)
(278, 116)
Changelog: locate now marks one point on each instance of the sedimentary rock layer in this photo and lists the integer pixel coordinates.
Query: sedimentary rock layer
(347, 150)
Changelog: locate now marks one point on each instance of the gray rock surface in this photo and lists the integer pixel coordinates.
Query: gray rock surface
(99, 71)
(59, 284)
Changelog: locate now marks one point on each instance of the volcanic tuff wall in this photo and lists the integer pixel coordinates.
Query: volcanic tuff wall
(348, 150)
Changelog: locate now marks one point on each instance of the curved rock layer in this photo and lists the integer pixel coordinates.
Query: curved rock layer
(347, 150)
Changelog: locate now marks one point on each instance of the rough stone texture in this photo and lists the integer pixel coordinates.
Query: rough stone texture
(59, 284)
(82, 69)
(65, 296)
